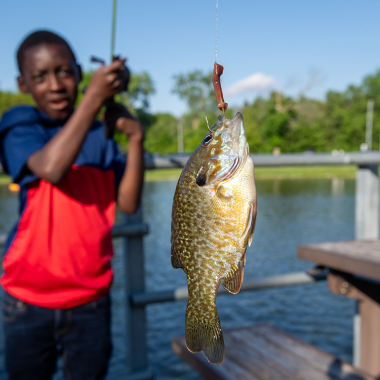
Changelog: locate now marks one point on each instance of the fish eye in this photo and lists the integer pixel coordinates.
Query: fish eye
(206, 141)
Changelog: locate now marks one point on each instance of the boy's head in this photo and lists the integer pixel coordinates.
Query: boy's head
(49, 72)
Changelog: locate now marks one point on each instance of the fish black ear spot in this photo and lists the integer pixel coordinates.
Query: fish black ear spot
(200, 180)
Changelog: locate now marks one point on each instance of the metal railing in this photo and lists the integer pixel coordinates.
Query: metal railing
(267, 160)
(133, 229)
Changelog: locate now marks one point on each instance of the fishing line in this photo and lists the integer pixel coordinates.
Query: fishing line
(216, 53)
(216, 31)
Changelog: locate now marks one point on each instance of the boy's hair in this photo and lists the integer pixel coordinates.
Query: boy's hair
(37, 38)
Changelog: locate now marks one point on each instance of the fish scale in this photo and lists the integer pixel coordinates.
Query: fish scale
(213, 218)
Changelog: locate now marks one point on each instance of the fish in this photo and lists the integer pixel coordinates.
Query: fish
(213, 220)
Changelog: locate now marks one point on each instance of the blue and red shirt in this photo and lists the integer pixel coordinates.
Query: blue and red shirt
(58, 254)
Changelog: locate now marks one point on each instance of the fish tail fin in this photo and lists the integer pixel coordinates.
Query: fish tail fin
(205, 335)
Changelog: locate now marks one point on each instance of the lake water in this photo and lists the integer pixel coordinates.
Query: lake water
(290, 213)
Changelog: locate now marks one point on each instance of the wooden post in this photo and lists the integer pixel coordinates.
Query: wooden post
(366, 227)
(367, 294)
(367, 203)
(370, 333)
(136, 318)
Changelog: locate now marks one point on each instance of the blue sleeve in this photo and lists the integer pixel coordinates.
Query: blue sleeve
(19, 143)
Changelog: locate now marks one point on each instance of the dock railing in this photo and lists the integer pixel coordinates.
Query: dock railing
(133, 229)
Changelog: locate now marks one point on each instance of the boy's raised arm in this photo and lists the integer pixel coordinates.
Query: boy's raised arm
(130, 187)
(54, 160)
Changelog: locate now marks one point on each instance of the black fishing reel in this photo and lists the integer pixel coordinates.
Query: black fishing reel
(125, 73)
(125, 76)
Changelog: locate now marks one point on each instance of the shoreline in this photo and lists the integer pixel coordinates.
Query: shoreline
(270, 173)
(261, 173)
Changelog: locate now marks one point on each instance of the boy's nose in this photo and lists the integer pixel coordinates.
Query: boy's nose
(54, 83)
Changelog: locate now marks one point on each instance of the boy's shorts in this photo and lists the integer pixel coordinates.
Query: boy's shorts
(35, 336)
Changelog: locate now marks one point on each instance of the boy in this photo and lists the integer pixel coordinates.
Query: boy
(57, 272)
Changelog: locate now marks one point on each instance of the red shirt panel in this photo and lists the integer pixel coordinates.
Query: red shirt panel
(60, 256)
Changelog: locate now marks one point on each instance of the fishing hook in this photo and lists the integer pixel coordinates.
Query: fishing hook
(208, 125)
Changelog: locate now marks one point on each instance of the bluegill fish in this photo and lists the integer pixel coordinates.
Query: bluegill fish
(213, 220)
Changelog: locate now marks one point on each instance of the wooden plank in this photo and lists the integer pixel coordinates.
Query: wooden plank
(279, 358)
(360, 257)
(198, 361)
(237, 364)
(235, 371)
(228, 371)
(256, 363)
(264, 352)
(315, 357)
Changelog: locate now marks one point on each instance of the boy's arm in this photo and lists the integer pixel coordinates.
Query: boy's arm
(131, 184)
(54, 160)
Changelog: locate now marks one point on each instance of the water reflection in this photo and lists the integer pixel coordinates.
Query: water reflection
(337, 186)
(290, 212)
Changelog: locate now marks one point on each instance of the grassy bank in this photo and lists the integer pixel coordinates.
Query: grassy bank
(295, 172)
(4, 179)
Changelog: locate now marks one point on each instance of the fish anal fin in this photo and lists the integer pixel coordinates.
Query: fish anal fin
(176, 259)
(250, 224)
(244, 257)
(232, 282)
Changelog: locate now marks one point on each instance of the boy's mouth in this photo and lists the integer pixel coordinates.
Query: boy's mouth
(59, 105)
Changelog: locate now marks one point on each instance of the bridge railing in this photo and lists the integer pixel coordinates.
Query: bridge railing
(134, 228)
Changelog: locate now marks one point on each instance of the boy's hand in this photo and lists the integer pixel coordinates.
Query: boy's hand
(117, 116)
(105, 83)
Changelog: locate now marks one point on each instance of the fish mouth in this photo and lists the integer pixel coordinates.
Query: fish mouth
(237, 122)
(224, 164)
(237, 118)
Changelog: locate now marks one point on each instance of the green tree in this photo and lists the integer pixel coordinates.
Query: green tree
(10, 99)
(161, 136)
(196, 89)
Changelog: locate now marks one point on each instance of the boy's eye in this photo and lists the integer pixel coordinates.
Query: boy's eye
(64, 72)
(39, 78)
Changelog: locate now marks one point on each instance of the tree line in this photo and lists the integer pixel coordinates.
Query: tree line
(292, 124)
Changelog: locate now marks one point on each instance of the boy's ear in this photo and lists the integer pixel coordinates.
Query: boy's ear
(22, 85)
(79, 74)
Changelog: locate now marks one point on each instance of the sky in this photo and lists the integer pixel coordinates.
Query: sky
(293, 46)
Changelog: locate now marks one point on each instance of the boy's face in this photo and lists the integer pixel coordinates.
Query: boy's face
(51, 76)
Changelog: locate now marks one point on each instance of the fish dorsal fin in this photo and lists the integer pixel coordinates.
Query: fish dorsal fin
(232, 281)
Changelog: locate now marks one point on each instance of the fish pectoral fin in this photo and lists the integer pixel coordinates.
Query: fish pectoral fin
(225, 192)
(250, 225)
(176, 259)
(232, 281)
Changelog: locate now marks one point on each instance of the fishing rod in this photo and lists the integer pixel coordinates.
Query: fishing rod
(113, 29)
(125, 73)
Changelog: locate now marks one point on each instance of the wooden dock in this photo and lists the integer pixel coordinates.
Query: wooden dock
(355, 273)
(264, 352)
